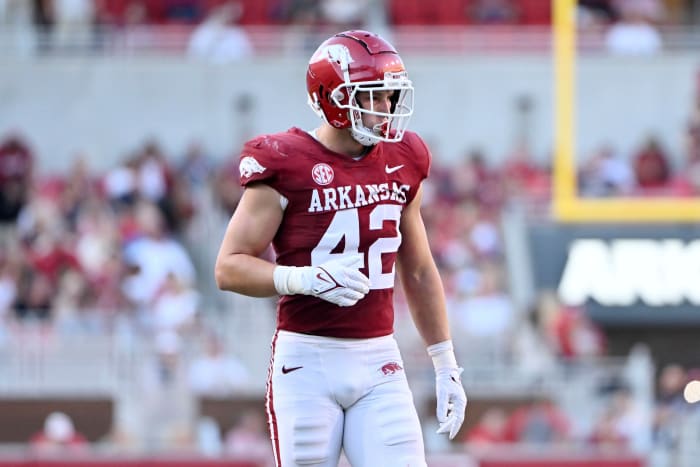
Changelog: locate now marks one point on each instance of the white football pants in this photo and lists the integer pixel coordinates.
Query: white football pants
(327, 394)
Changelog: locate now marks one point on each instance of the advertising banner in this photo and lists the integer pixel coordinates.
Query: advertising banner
(623, 274)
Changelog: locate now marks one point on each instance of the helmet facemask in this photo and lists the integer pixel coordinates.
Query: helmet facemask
(392, 130)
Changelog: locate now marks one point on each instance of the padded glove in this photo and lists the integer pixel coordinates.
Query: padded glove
(337, 281)
(451, 398)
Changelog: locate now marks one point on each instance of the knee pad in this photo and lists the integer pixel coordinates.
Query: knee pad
(313, 444)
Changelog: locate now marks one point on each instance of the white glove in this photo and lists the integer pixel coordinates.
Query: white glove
(337, 281)
(451, 398)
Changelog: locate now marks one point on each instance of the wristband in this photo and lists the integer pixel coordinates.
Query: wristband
(443, 355)
(289, 280)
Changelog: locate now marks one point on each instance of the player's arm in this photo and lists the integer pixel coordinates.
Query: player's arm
(250, 231)
(426, 301)
(420, 277)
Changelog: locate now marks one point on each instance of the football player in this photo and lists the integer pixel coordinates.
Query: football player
(341, 206)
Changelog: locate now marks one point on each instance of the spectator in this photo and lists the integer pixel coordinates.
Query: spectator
(489, 431)
(605, 434)
(120, 183)
(670, 406)
(602, 9)
(634, 33)
(215, 373)
(248, 438)
(538, 422)
(153, 254)
(217, 40)
(157, 181)
(78, 189)
(74, 23)
(651, 166)
(97, 237)
(623, 424)
(489, 313)
(345, 14)
(59, 437)
(49, 255)
(653, 11)
(474, 180)
(34, 297)
(606, 174)
(176, 306)
(522, 176)
(183, 11)
(568, 330)
(196, 167)
(495, 12)
(44, 19)
(16, 166)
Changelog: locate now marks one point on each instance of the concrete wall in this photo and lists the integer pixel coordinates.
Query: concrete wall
(107, 107)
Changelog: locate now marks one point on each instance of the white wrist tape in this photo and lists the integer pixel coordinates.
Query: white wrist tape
(289, 280)
(443, 355)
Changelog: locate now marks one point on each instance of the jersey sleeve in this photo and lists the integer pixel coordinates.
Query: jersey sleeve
(424, 157)
(257, 164)
(418, 152)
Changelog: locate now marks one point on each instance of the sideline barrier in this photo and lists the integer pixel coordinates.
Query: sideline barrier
(450, 460)
(94, 462)
(563, 461)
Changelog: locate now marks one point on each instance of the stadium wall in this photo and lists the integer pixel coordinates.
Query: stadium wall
(108, 107)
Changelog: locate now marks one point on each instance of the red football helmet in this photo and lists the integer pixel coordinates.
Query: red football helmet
(359, 61)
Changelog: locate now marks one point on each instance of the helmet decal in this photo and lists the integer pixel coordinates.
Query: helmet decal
(337, 53)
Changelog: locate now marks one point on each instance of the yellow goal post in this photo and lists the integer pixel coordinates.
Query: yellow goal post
(567, 205)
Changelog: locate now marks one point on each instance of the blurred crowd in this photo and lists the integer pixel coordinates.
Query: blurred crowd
(649, 170)
(88, 252)
(219, 29)
(51, 13)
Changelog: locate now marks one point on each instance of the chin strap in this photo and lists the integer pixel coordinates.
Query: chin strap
(366, 136)
(363, 138)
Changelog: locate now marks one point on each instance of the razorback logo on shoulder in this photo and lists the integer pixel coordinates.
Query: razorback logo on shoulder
(250, 166)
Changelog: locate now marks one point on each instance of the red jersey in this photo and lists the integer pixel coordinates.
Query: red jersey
(338, 206)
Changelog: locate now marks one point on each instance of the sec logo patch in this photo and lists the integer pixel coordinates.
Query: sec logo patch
(322, 174)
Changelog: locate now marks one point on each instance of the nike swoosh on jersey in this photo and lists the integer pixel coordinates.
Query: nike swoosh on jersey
(286, 370)
(391, 170)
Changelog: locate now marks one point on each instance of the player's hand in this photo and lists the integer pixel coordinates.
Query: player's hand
(339, 281)
(451, 400)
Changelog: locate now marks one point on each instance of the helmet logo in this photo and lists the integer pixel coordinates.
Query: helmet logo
(335, 53)
(322, 174)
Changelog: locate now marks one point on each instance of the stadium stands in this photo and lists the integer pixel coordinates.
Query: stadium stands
(81, 334)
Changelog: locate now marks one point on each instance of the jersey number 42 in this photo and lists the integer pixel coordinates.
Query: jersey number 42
(346, 225)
